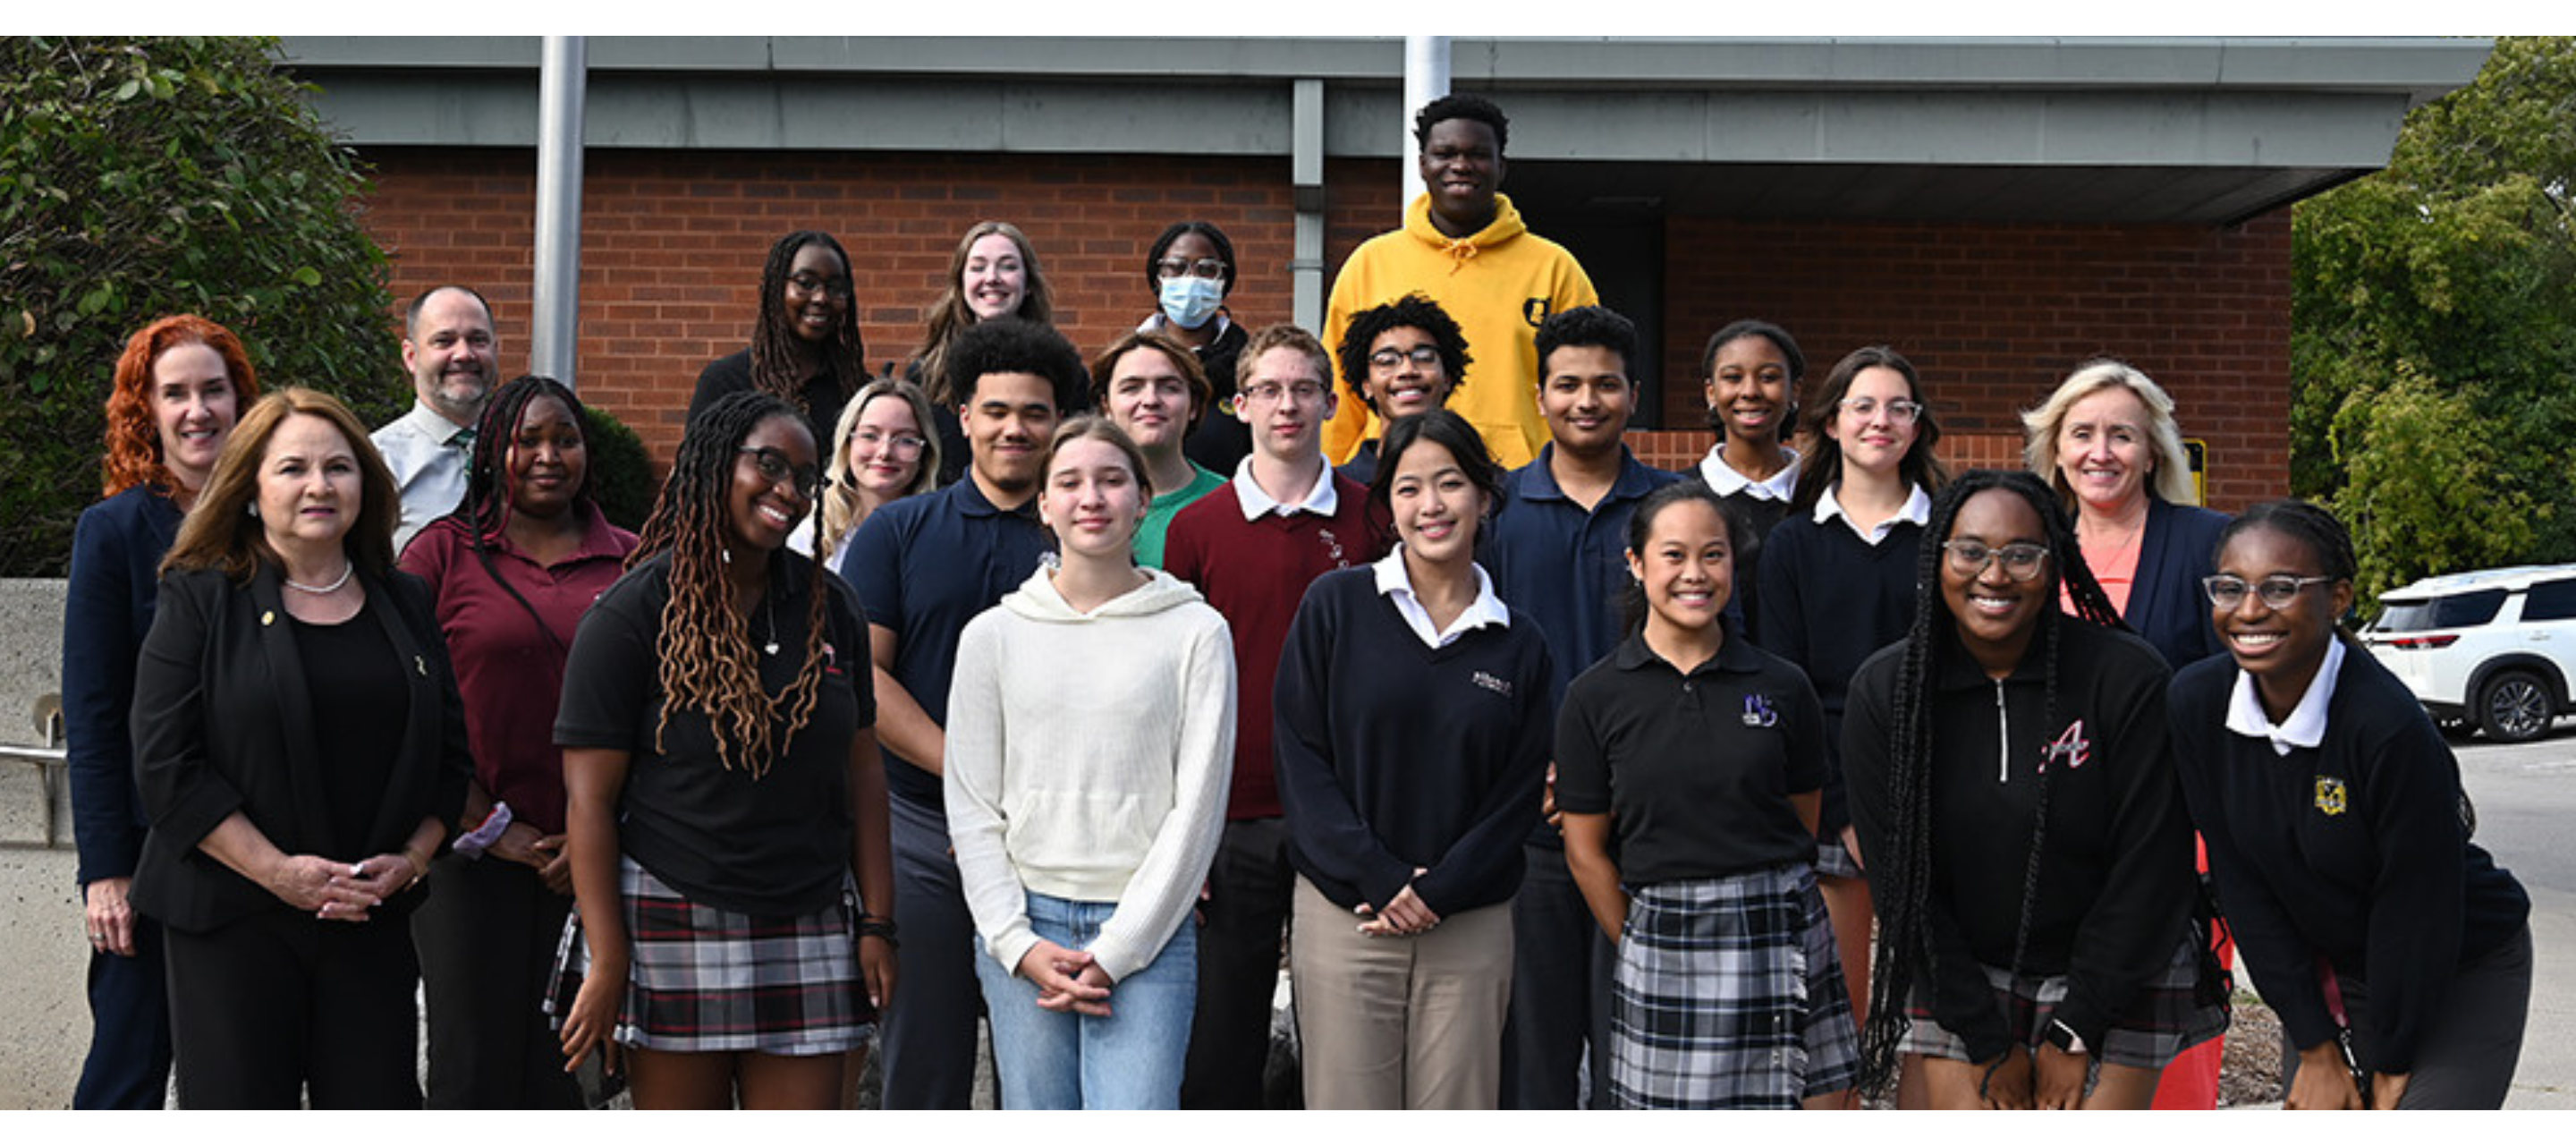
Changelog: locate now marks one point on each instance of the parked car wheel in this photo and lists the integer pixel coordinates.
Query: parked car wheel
(2514, 706)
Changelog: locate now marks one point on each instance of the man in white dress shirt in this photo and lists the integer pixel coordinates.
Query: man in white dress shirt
(453, 357)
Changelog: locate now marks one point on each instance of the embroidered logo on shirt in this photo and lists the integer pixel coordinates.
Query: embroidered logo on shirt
(2331, 798)
(1757, 711)
(1494, 684)
(1333, 546)
(2070, 747)
(831, 660)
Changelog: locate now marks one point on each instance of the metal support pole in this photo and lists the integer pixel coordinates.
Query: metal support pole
(555, 325)
(1426, 78)
(1306, 170)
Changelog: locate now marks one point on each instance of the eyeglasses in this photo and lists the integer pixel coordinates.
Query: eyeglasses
(775, 468)
(1390, 358)
(837, 288)
(899, 443)
(1899, 410)
(2228, 591)
(1203, 268)
(2021, 559)
(1273, 391)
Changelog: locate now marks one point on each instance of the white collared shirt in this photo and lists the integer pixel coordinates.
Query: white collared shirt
(1323, 500)
(1917, 509)
(428, 458)
(1723, 478)
(2306, 727)
(1396, 583)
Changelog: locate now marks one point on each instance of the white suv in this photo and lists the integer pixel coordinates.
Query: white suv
(2495, 648)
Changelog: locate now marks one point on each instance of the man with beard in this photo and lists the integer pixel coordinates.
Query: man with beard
(923, 567)
(453, 357)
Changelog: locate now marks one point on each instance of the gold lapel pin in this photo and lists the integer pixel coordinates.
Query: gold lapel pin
(268, 618)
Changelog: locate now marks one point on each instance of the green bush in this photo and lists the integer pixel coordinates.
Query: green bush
(147, 176)
(621, 469)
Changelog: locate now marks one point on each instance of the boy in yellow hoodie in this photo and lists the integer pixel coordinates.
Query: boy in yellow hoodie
(1464, 245)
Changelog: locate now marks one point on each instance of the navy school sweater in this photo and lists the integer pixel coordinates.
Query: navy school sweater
(1392, 755)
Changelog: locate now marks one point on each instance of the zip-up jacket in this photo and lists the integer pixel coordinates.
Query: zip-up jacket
(2116, 864)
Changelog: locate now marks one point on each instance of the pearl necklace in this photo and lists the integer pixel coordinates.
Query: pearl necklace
(321, 590)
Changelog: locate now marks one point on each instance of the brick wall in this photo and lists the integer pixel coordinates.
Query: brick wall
(1993, 314)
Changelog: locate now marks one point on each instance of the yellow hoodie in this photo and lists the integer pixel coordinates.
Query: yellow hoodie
(1499, 284)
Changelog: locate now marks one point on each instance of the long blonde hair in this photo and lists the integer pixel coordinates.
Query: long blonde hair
(841, 493)
(220, 533)
(949, 314)
(2172, 479)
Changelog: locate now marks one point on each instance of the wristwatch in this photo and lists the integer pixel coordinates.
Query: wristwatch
(2064, 1038)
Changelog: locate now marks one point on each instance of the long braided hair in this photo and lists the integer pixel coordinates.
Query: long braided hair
(707, 662)
(486, 507)
(1904, 944)
(775, 351)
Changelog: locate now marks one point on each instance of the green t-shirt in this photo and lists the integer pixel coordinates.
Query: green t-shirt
(1158, 515)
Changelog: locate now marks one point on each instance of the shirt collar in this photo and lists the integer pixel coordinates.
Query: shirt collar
(1322, 501)
(2306, 727)
(598, 539)
(1733, 655)
(1537, 482)
(972, 502)
(1917, 509)
(432, 425)
(1487, 609)
(1722, 477)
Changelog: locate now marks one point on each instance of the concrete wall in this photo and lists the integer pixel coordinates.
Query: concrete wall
(41, 945)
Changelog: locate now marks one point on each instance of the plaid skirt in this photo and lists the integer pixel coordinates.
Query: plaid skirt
(1729, 993)
(2164, 1019)
(702, 978)
(1832, 858)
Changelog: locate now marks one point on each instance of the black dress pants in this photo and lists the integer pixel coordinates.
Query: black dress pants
(487, 938)
(279, 1008)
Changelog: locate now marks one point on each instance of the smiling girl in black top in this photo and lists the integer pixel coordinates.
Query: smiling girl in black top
(724, 792)
(805, 345)
(2010, 780)
(2340, 840)
(1702, 754)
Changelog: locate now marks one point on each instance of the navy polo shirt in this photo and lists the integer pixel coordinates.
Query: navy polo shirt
(1563, 565)
(923, 567)
(1695, 768)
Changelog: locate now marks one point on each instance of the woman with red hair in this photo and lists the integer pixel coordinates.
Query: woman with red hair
(179, 386)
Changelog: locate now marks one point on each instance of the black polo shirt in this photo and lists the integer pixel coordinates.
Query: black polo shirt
(1696, 769)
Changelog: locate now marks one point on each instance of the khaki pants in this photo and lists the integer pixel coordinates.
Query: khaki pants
(1400, 1022)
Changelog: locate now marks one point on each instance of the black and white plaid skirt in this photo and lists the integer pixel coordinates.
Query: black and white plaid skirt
(703, 978)
(2164, 1019)
(1729, 993)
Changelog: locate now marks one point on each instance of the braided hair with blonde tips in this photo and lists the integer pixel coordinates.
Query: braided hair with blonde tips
(1905, 872)
(775, 348)
(705, 655)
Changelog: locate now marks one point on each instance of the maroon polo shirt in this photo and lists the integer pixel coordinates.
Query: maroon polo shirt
(508, 669)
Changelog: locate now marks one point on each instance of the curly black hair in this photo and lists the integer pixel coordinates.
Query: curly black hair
(1014, 346)
(1588, 326)
(1414, 310)
(1460, 106)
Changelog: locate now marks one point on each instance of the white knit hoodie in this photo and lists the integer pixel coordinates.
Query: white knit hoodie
(1088, 757)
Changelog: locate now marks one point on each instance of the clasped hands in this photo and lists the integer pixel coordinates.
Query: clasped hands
(1067, 980)
(1405, 914)
(344, 892)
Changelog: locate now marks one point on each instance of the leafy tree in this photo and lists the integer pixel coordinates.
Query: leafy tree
(148, 176)
(2433, 345)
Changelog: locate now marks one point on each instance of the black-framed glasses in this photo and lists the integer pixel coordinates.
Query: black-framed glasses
(1390, 358)
(2022, 560)
(775, 468)
(1900, 411)
(1273, 391)
(1201, 268)
(2227, 590)
(837, 288)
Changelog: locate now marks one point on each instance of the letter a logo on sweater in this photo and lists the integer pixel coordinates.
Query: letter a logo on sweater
(2070, 747)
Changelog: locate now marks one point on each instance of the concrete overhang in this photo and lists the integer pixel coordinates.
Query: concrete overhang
(2128, 130)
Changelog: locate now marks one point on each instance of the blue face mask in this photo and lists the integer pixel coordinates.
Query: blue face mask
(1189, 301)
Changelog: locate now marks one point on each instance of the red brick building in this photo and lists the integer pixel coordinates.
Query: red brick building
(1998, 218)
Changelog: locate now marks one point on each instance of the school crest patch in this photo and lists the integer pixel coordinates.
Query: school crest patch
(2331, 798)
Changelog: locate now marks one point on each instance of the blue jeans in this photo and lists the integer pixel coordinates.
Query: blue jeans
(1051, 1060)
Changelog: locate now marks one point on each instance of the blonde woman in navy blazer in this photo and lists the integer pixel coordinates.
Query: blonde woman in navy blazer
(301, 754)
(2106, 441)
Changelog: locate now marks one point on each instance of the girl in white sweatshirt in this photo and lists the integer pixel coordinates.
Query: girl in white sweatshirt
(1090, 737)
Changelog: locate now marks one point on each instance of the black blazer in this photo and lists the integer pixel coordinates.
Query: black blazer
(223, 723)
(2165, 602)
